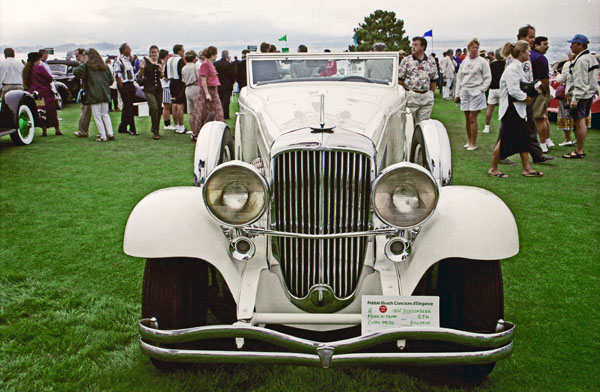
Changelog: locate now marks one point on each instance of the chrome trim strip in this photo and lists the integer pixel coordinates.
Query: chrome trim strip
(499, 345)
(260, 231)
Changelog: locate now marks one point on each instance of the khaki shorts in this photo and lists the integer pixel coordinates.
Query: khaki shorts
(540, 106)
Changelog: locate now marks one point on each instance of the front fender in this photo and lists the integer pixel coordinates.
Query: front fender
(10, 108)
(470, 223)
(437, 150)
(174, 222)
(208, 150)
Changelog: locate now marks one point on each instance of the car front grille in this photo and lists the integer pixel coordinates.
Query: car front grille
(321, 192)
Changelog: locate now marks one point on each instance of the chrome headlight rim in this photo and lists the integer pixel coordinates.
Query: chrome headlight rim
(394, 167)
(255, 172)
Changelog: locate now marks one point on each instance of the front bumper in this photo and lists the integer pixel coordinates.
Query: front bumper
(487, 347)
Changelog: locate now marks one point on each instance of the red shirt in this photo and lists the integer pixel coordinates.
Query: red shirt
(207, 69)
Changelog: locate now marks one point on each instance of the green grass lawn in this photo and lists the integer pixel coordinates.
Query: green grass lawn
(70, 298)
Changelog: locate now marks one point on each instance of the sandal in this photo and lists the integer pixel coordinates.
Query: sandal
(498, 175)
(99, 139)
(533, 174)
(156, 137)
(574, 155)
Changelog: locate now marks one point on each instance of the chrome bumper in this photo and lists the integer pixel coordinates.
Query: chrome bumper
(489, 348)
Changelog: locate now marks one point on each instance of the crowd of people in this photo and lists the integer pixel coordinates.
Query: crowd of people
(170, 84)
(515, 78)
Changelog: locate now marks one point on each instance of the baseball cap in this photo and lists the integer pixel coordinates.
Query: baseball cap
(401, 51)
(580, 39)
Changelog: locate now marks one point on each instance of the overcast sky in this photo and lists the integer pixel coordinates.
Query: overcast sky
(224, 23)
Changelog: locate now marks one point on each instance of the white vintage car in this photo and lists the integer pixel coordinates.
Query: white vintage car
(326, 232)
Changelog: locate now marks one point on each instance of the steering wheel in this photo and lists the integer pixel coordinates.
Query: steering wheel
(356, 78)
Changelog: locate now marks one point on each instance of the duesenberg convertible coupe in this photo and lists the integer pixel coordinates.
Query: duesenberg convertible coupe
(324, 232)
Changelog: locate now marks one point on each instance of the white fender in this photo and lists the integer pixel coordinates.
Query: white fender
(470, 223)
(437, 150)
(208, 150)
(174, 222)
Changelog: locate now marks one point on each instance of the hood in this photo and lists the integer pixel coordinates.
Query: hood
(358, 107)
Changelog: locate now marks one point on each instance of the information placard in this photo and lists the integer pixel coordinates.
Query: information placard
(381, 312)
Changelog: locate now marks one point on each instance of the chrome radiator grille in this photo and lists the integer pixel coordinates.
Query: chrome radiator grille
(321, 192)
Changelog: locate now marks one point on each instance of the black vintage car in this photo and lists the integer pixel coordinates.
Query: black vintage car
(66, 84)
(19, 115)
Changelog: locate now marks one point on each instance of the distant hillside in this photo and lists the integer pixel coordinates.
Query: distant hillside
(100, 46)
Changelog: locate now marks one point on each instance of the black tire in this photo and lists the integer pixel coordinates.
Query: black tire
(227, 147)
(417, 150)
(175, 292)
(25, 126)
(64, 96)
(179, 292)
(471, 299)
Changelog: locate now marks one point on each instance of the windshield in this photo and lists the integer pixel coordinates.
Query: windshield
(58, 68)
(372, 70)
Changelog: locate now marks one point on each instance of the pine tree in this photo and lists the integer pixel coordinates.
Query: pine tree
(381, 26)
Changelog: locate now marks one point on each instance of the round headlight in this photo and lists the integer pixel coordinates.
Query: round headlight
(404, 195)
(235, 193)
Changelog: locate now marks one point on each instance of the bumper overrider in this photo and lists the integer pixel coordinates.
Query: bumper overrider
(486, 347)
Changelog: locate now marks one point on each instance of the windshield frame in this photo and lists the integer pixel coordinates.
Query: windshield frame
(62, 68)
(320, 56)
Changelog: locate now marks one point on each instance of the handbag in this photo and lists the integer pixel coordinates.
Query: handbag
(83, 94)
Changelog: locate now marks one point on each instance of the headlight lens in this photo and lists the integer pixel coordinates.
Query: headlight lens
(404, 195)
(236, 194)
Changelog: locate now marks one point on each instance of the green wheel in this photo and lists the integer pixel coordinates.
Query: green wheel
(25, 127)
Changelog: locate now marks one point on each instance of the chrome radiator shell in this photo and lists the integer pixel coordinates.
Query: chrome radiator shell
(321, 186)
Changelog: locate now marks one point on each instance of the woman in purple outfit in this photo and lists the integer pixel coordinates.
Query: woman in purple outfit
(36, 78)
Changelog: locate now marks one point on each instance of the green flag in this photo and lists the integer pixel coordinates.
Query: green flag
(284, 38)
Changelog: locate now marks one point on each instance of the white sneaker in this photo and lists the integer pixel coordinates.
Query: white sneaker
(486, 130)
(544, 147)
(170, 127)
(549, 143)
(471, 148)
(180, 130)
(565, 143)
(466, 145)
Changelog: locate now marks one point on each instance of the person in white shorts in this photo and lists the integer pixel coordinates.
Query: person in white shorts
(472, 80)
(497, 68)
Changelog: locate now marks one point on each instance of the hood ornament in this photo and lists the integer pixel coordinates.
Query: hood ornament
(322, 127)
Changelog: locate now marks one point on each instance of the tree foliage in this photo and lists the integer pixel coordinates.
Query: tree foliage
(381, 26)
